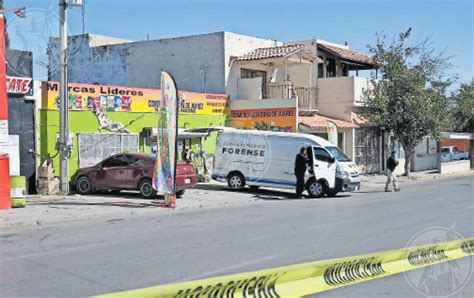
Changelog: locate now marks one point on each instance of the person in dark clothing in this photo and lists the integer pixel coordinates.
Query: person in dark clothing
(392, 163)
(301, 162)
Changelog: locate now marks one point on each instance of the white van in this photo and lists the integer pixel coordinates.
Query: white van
(264, 158)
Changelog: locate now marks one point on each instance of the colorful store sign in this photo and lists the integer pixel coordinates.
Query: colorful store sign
(128, 99)
(260, 115)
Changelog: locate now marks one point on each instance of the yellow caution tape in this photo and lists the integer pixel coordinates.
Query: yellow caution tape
(309, 278)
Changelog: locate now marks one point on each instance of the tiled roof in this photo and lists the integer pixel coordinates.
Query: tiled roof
(271, 52)
(360, 120)
(320, 121)
(347, 54)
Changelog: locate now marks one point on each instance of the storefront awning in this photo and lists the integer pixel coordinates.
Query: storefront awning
(182, 133)
(318, 121)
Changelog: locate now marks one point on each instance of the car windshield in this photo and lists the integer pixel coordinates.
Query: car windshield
(338, 154)
(445, 150)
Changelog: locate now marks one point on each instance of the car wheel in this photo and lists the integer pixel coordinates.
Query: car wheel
(236, 181)
(84, 185)
(331, 193)
(146, 189)
(315, 189)
(180, 193)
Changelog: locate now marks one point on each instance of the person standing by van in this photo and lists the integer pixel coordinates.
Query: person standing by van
(301, 162)
(392, 163)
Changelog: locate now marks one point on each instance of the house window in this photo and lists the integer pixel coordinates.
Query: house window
(331, 68)
(320, 68)
(251, 73)
(345, 70)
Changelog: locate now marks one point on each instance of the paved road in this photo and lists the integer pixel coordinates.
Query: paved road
(97, 256)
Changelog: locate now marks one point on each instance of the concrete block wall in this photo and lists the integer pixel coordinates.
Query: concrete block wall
(196, 62)
(454, 167)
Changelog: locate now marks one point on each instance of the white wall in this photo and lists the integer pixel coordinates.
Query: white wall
(249, 88)
(253, 104)
(139, 64)
(426, 156)
(336, 97)
(454, 167)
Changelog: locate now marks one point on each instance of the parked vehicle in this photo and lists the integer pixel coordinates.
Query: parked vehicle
(131, 171)
(451, 153)
(264, 158)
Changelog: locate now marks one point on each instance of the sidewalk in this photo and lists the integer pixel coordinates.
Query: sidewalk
(48, 210)
(372, 181)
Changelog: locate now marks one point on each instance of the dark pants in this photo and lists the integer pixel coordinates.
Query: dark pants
(299, 183)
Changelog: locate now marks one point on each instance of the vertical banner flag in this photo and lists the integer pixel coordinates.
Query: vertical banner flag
(164, 175)
(332, 132)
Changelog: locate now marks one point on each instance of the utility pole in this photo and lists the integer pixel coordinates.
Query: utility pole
(63, 106)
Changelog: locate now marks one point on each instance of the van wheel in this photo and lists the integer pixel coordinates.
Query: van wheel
(315, 189)
(331, 193)
(236, 181)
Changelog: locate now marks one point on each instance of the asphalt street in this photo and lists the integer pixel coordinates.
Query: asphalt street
(105, 255)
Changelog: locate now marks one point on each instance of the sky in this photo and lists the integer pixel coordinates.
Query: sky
(449, 23)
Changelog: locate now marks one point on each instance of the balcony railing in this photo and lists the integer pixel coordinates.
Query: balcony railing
(307, 96)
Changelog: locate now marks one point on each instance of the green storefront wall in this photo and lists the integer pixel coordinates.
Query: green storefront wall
(87, 122)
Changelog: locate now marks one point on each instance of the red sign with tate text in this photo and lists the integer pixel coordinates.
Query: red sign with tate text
(18, 85)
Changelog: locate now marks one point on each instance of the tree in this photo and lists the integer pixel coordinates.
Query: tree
(463, 108)
(410, 98)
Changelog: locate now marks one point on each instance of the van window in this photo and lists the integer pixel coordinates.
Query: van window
(322, 155)
(338, 154)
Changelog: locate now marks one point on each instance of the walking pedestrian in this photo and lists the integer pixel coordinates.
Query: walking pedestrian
(392, 163)
(301, 162)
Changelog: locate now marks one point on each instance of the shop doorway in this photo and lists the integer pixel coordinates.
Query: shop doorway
(21, 115)
(367, 149)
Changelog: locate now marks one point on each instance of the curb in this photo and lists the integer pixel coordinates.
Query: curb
(314, 277)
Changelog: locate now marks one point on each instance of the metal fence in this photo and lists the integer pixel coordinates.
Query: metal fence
(94, 147)
(307, 96)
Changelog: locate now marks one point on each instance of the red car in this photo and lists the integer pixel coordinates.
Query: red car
(129, 171)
